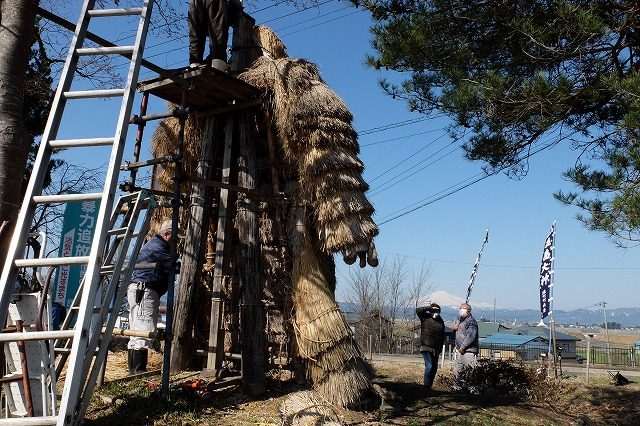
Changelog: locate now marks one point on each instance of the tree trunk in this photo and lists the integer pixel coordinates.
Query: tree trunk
(193, 255)
(16, 36)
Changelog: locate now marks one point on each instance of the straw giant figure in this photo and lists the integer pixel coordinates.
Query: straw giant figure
(326, 210)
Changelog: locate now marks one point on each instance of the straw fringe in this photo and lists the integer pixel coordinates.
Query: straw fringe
(316, 136)
(345, 387)
(307, 408)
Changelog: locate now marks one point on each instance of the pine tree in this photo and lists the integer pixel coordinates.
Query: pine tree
(520, 76)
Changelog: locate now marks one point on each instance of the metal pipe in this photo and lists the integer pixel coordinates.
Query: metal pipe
(176, 112)
(138, 164)
(26, 385)
(45, 295)
(138, 142)
(37, 335)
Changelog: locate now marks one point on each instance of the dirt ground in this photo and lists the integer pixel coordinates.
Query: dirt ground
(569, 401)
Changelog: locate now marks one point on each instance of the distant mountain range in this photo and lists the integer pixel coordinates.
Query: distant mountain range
(627, 317)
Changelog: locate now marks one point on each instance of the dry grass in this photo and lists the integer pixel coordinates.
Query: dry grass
(139, 403)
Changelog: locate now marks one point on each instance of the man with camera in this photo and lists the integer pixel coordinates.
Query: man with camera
(431, 340)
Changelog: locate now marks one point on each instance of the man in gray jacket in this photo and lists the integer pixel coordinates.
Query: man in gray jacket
(467, 346)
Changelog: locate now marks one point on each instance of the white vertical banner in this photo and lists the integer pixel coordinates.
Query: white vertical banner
(546, 273)
(474, 271)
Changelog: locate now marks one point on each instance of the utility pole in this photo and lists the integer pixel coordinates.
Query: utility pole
(606, 329)
(494, 309)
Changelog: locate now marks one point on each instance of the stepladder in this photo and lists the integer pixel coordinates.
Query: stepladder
(29, 341)
(33, 366)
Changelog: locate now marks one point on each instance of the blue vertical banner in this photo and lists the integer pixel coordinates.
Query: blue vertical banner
(75, 240)
(546, 273)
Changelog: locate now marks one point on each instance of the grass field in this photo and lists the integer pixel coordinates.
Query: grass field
(568, 401)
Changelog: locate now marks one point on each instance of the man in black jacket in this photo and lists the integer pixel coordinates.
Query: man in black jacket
(431, 340)
(210, 18)
(144, 292)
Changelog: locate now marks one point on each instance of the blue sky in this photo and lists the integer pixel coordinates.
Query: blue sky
(414, 163)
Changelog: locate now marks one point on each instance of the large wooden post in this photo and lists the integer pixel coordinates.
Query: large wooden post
(194, 248)
(215, 351)
(252, 311)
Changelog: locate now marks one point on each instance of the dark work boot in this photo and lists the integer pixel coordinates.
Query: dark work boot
(138, 361)
(130, 361)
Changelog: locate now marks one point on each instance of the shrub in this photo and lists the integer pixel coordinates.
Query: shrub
(505, 378)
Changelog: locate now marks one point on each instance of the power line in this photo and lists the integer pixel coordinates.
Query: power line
(428, 200)
(297, 11)
(393, 125)
(399, 138)
(493, 265)
(322, 23)
(270, 20)
(312, 19)
(390, 183)
(405, 159)
(393, 216)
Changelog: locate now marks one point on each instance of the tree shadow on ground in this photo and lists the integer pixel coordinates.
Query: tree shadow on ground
(417, 405)
(141, 403)
(590, 406)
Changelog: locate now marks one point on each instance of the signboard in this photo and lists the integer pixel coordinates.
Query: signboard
(75, 240)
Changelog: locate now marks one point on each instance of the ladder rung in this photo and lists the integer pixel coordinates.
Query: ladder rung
(52, 261)
(37, 335)
(110, 269)
(117, 231)
(115, 12)
(11, 377)
(72, 143)
(101, 93)
(111, 50)
(66, 198)
(30, 421)
(64, 350)
(96, 310)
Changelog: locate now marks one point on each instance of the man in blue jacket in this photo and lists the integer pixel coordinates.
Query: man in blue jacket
(144, 292)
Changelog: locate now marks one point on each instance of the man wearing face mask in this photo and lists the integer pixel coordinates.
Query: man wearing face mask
(431, 340)
(466, 339)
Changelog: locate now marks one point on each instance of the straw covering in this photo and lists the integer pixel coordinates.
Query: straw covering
(321, 176)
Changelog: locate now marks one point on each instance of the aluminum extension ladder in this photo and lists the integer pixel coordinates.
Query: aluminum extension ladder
(85, 334)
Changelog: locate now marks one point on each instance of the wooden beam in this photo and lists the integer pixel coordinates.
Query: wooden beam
(252, 312)
(193, 253)
(220, 270)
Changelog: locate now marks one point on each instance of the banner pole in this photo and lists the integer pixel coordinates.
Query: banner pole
(474, 271)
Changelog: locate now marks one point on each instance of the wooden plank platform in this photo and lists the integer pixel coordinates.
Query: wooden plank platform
(207, 88)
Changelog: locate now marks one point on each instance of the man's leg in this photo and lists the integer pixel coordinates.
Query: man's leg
(218, 26)
(428, 367)
(133, 314)
(197, 31)
(456, 369)
(145, 320)
(434, 368)
(471, 361)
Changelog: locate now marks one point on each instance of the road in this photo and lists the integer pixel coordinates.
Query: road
(570, 367)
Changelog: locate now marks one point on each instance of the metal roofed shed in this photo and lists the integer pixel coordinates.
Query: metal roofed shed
(513, 346)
